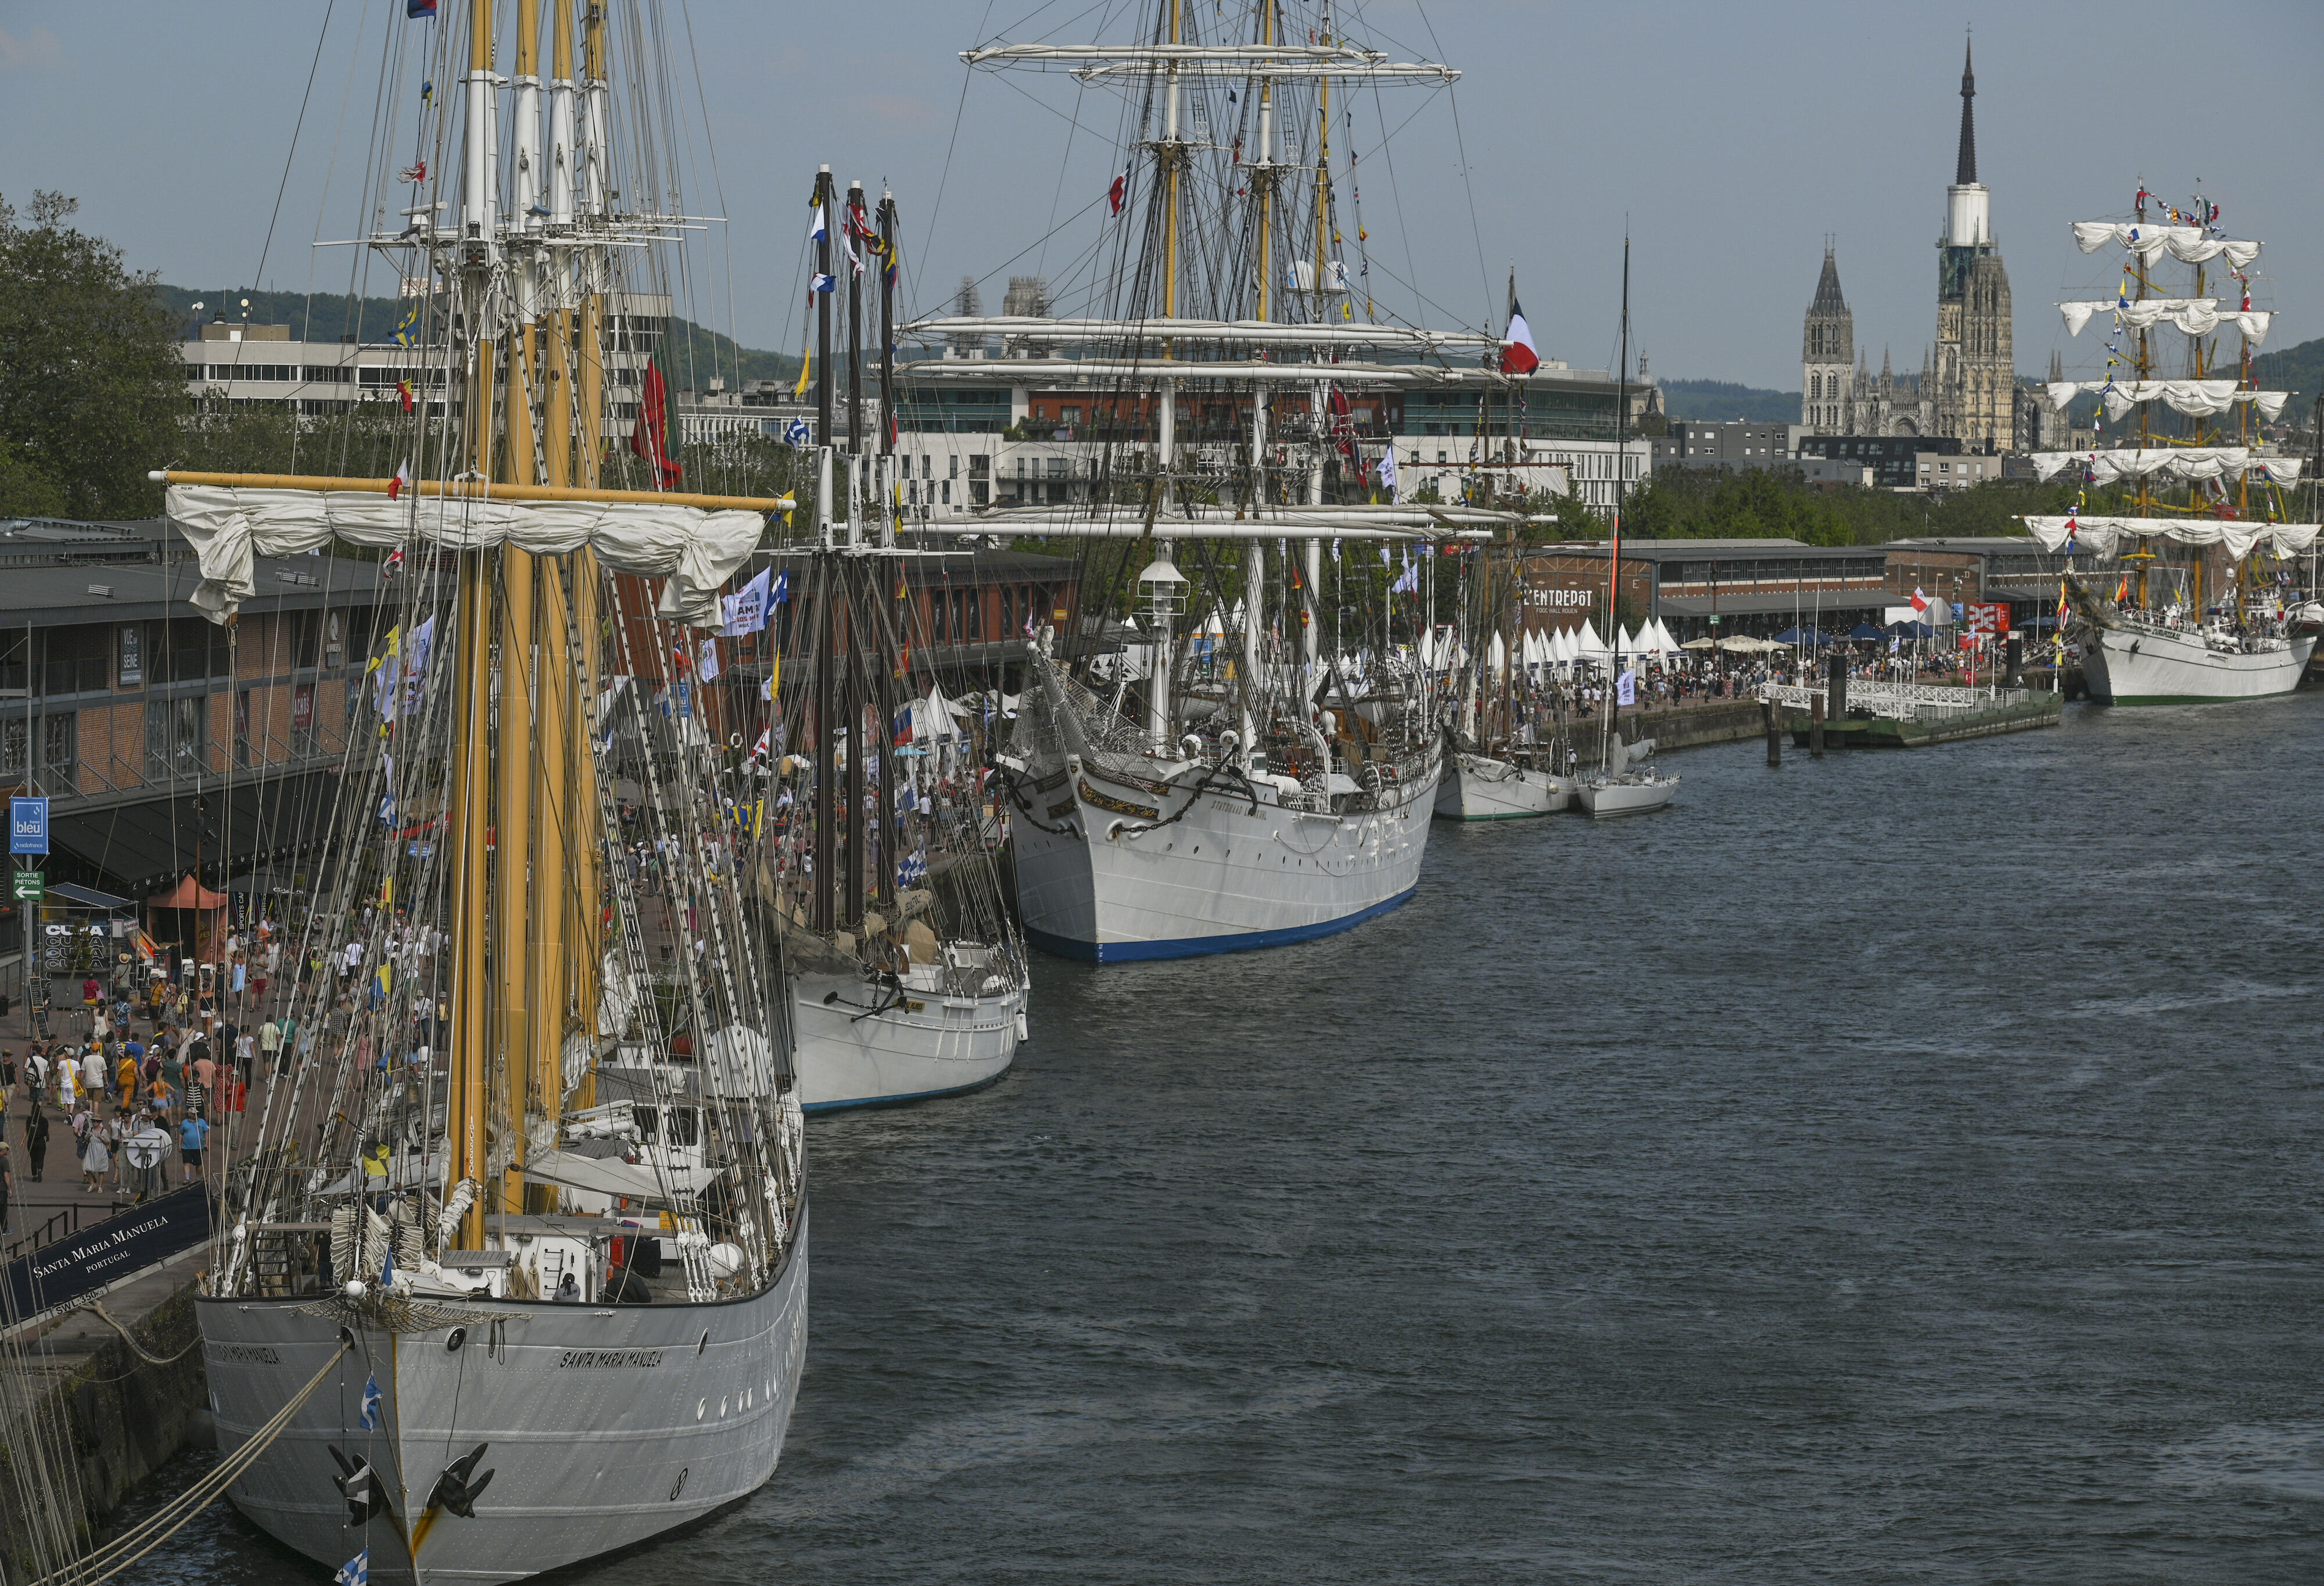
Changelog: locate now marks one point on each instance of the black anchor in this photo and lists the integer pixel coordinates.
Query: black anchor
(454, 1489)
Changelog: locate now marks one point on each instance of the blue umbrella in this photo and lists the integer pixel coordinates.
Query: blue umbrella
(1801, 635)
(1864, 630)
(1912, 630)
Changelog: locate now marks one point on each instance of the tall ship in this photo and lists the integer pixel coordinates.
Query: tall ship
(908, 975)
(513, 1265)
(2206, 606)
(1239, 744)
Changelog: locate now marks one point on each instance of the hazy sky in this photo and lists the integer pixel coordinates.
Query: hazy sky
(1730, 140)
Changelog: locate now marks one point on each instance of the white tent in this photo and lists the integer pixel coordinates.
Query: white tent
(1587, 646)
(1663, 643)
(1497, 658)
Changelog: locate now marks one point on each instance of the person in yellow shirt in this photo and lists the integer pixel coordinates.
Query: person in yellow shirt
(375, 1169)
(124, 1080)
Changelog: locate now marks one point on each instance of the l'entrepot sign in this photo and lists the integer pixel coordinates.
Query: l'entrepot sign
(83, 1262)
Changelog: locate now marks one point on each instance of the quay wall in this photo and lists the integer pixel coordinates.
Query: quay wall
(126, 1417)
(1695, 727)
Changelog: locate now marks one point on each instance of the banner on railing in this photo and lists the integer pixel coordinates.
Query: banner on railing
(91, 1259)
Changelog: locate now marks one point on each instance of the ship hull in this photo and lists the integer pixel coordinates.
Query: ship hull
(604, 1425)
(925, 1045)
(2138, 666)
(1474, 788)
(1605, 799)
(1103, 875)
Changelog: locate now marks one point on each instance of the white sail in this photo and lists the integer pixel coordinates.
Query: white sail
(2196, 316)
(2188, 244)
(2098, 536)
(696, 551)
(2200, 398)
(2181, 462)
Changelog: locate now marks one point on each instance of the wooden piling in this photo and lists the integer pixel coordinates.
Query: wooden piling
(1815, 726)
(1775, 732)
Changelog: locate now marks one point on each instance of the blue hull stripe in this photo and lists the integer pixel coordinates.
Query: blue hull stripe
(1187, 947)
(900, 1100)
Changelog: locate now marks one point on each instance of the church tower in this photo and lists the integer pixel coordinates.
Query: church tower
(1827, 357)
(1976, 368)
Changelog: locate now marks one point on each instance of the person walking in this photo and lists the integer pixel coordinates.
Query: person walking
(95, 1156)
(7, 1185)
(36, 1138)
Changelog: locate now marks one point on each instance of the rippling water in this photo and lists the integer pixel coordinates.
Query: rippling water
(1895, 1167)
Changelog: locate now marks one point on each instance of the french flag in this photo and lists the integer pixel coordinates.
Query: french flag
(1518, 356)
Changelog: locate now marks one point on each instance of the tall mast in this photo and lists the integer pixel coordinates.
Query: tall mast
(471, 747)
(854, 327)
(823, 639)
(1170, 153)
(1262, 176)
(886, 219)
(1614, 541)
(823, 407)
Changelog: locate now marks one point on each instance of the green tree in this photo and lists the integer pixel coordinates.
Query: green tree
(91, 384)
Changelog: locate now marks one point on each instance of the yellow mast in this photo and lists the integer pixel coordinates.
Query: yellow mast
(475, 489)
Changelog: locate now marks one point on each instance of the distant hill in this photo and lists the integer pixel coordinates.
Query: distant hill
(1717, 401)
(2297, 369)
(692, 354)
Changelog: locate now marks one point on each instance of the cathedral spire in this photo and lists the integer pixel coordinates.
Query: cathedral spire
(1827, 298)
(1965, 171)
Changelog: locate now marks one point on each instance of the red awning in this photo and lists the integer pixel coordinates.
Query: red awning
(189, 894)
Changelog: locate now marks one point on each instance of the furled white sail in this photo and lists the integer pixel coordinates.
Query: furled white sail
(2188, 244)
(2177, 462)
(2196, 316)
(2201, 398)
(2098, 536)
(697, 551)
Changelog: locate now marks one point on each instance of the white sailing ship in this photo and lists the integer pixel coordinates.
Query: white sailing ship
(1276, 784)
(515, 1268)
(1477, 787)
(909, 976)
(1625, 782)
(2223, 618)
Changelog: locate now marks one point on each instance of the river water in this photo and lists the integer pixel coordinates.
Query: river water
(1899, 1167)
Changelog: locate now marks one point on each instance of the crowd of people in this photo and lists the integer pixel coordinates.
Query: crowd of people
(161, 1061)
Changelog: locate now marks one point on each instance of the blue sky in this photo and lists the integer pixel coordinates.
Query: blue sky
(1728, 139)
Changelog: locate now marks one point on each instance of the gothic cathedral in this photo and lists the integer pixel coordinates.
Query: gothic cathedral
(1969, 389)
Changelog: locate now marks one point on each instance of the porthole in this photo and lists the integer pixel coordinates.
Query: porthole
(701, 1408)
(703, 1344)
(454, 1338)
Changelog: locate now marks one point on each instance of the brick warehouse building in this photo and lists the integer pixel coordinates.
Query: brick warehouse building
(157, 737)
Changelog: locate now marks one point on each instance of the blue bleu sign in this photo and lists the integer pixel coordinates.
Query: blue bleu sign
(90, 1260)
(28, 826)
